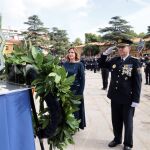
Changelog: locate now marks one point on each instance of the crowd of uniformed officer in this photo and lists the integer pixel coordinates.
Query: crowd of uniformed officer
(90, 63)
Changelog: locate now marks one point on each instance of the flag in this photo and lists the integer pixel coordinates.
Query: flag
(16, 131)
(140, 45)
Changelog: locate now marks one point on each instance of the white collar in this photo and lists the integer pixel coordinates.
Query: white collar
(124, 58)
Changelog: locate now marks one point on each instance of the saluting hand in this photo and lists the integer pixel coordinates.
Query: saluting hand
(109, 50)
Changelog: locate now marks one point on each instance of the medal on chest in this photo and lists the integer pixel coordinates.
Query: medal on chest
(114, 66)
(127, 69)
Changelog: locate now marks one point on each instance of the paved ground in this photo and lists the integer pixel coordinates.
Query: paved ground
(98, 132)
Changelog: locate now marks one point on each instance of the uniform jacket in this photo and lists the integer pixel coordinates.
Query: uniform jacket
(147, 67)
(125, 84)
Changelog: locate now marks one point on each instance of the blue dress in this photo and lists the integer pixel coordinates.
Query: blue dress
(77, 69)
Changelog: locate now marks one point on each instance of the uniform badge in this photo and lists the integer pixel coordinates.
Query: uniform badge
(126, 69)
(114, 66)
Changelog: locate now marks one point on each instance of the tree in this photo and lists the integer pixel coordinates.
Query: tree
(147, 44)
(91, 50)
(119, 29)
(90, 37)
(148, 32)
(141, 35)
(37, 34)
(148, 29)
(59, 41)
(77, 42)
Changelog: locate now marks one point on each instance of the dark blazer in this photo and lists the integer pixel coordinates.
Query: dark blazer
(125, 84)
(147, 67)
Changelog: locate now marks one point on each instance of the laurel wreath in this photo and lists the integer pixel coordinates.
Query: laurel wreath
(52, 78)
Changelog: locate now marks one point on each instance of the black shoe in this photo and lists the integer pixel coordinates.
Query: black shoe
(127, 148)
(113, 143)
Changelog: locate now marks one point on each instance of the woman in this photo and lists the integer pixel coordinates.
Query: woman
(74, 67)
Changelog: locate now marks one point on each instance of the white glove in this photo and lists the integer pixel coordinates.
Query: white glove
(109, 50)
(134, 104)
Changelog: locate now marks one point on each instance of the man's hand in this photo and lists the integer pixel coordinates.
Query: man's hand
(134, 104)
(109, 50)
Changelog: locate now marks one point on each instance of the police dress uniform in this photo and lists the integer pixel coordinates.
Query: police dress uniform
(124, 88)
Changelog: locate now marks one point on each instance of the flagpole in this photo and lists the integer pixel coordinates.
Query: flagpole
(35, 118)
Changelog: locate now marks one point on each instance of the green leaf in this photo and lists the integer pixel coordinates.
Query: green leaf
(70, 80)
(62, 72)
(34, 52)
(39, 59)
(57, 78)
(53, 74)
(27, 59)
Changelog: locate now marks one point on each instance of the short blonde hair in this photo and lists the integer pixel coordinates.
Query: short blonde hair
(77, 57)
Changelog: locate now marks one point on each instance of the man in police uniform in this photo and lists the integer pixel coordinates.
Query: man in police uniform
(124, 91)
(147, 70)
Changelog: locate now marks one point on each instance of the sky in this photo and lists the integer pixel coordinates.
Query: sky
(77, 17)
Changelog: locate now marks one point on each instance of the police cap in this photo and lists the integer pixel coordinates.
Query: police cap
(124, 42)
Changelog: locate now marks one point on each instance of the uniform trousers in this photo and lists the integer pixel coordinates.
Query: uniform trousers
(122, 114)
(105, 75)
(147, 75)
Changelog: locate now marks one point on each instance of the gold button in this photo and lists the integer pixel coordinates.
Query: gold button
(118, 76)
(116, 88)
(116, 81)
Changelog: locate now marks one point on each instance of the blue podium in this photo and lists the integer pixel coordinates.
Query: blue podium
(16, 130)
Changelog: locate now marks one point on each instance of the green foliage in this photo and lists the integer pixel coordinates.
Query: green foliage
(90, 37)
(36, 32)
(77, 42)
(141, 35)
(91, 50)
(118, 29)
(147, 45)
(147, 35)
(148, 29)
(59, 41)
(52, 78)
